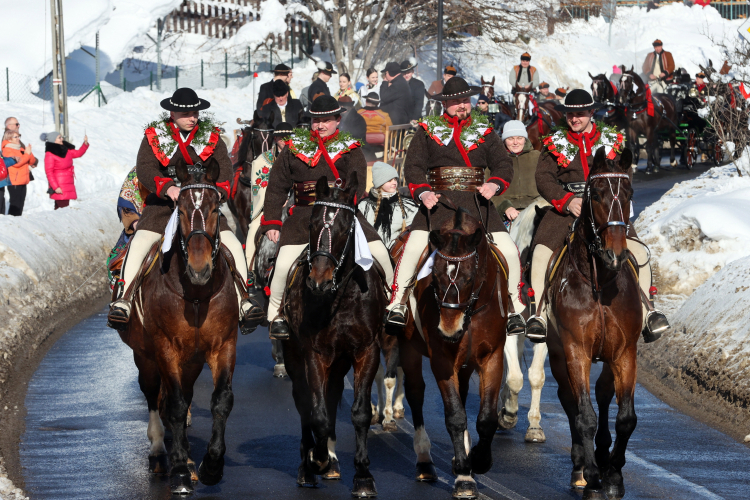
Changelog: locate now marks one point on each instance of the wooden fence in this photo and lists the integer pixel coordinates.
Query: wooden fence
(583, 9)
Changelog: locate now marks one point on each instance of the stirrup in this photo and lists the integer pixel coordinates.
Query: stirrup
(656, 325)
(252, 317)
(536, 329)
(119, 314)
(279, 329)
(516, 325)
(395, 319)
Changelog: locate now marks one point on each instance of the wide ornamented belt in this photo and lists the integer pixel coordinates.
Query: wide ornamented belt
(455, 178)
(304, 193)
(573, 187)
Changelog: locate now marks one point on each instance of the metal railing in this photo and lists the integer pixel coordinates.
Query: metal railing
(584, 9)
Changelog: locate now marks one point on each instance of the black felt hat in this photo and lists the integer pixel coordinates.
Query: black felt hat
(323, 106)
(457, 88)
(393, 68)
(408, 65)
(184, 99)
(577, 100)
(373, 97)
(280, 88)
(325, 66)
(283, 129)
(281, 69)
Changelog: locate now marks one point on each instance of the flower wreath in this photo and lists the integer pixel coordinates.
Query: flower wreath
(302, 145)
(471, 135)
(557, 144)
(164, 145)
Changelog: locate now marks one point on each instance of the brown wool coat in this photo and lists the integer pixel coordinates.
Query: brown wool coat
(288, 169)
(667, 63)
(158, 208)
(522, 190)
(425, 153)
(556, 223)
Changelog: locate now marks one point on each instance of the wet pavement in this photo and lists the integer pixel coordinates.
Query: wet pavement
(86, 437)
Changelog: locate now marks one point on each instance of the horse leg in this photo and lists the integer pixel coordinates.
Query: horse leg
(508, 415)
(380, 386)
(333, 396)
(605, 391)
(221, 363)
(180, 478)
(391, 372)
(398, 402)
(411, 362)
(365, 366)
(295, 365)
(535, 433)
(672, 142)
(149, 381)
(318, 373)
(490, 379)
(190, 374)
(634, 146)
(279, 370)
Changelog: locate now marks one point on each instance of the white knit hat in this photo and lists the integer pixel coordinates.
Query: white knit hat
(514, 128)
(382, 173)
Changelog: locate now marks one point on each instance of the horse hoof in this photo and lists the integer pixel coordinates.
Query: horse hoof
(673, 163)
(464, 490)
(535, 435)
(398, 413)
(426, 472)
(375, 420)
(590, 494)
(210, 478)
(193, 470)
(577, 481)
(158, 464)
(364, 487)
(507, 420)
(306, 479)
(279, 371)
(180, 484)
(614, 491)
(481, 462)
(390, 426)
(316, 467)
(334, 472)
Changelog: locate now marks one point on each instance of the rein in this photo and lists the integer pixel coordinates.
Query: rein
(327, 227)
(596, 245)
(215, 240)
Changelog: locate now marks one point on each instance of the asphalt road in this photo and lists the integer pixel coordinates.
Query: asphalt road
(86, 433)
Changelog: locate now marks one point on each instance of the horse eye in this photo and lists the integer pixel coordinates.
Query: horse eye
(595, 197)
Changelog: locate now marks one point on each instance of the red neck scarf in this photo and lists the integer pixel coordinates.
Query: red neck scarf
(585, 143)
(183, 145)
(457, 126)
(315, 136)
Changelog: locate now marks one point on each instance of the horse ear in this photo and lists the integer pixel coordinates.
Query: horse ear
(476, 238)
(181, 170)
(599, 158)
(493, 81)
(589, 72)
(481, 79)
(321, 188)
(256, 118)
(626, 159)
(352, 184)
(437, 239)
(631, 67)
(212, 170)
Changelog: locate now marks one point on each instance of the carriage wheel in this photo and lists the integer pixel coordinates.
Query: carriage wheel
(691, 149)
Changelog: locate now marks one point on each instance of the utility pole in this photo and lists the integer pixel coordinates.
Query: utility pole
(97, 86)
(440, 41)
(159, 31)
(59, 76)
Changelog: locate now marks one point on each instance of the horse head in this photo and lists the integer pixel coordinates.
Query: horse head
(521, 100)
(331, 234)
(630, 86)
(606, 208)
(455, 272)
(599, 86)
(488, 87)
(198, 212)
(261, 132)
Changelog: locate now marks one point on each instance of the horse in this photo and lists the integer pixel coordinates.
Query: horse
(186, 314)
(648, 115)
(458, 317)
(502, 114)
(334, 309)
(605, 92)
(538, 124)
(595, 315)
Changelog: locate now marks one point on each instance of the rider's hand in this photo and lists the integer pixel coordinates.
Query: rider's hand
(58, 190)
(273, 235)
(430, 199)
(651, 77)
(574, 207)
(662, 74)
(174, 193)
(511, 213)
(488, 189)
(86, 139)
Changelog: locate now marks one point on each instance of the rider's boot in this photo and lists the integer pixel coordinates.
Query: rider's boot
(251, 308)
(395, 319)
(396, 314)
(656, 324)
(536, 330)
(536, 326)
(119, 314)
(516, 324)
(279, 329)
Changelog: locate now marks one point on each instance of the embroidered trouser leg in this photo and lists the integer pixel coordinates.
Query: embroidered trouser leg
(644, 275)
(139, 246)
(509, 250)
(406, 267)
(539, 263)
(235, 248)
(252, 230)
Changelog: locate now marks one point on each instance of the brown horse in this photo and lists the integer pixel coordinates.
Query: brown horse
(458, 320)
(648, 115)
(538, 124)
(187, 315)
(605, 92)
(334, 309)
(595, 315)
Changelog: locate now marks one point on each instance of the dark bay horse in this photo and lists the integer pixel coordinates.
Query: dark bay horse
(458, 319)
(334, 309)
(605, 92)
(649, 115)
(595, 315)
(186, 314)
(538, 124)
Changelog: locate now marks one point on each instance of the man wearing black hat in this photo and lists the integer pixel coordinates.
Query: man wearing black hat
(351, 121)
(562, 170)
(322, 151)
(284, 108)
(435, 165)
(483, 104)
(180, 135)
(320, 85)
(416, 86)
(282, 73)
(395, 95)
(658, 67)
(524, 75)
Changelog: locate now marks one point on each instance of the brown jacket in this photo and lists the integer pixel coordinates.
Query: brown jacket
(158, 206)
(288, 169)
(425, 153)
(667, 63)
(436, 87)
(522, 190)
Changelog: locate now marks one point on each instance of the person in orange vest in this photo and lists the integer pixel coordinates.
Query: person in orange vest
(658, 67)
(524, 74)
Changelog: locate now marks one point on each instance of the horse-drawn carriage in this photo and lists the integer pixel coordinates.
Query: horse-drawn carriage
(695, 132)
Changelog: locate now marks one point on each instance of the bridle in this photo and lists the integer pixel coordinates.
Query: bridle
(327, 228)
(523, 109)
(215, 240)
(596, 245)
(265, 135)
(467, 306)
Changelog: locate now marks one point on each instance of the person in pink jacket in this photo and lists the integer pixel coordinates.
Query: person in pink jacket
(58, 164)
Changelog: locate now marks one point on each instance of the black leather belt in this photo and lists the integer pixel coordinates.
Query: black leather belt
(574, 187)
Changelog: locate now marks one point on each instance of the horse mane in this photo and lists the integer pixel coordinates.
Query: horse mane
(244, 146)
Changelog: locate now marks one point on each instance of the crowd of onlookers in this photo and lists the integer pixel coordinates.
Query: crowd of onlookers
(18, 162)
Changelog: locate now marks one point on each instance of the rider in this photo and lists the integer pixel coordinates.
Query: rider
(322, 151)
(544, 93)
(700, 84)
(261, 173)
(524, 75)
(658, 67)
(560, 176)
(181, 134)
(437, 166)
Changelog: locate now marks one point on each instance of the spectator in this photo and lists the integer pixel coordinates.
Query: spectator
(5, 163)
(58, 163)
(483, 104)
(345, 89)
(395, 98)
(18, 174)
(372, 83)
(320, 85)
(283, 106)
(265, 93)
(522, 191)
(303, 95)
(416, 86)
(351, 121)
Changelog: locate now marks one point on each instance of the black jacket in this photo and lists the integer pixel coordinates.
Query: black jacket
(265, 92)
(396, 100)
(417, 94)
(317, 87)
(353, 123)
(294, 110)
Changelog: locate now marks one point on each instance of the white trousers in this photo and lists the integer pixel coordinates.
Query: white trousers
(416, 244)
(289, 253)
(250, 243)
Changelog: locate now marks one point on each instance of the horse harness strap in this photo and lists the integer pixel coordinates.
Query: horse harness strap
(327, 227)
(215, 240)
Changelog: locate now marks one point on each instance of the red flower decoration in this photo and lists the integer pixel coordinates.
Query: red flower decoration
(267, 291)
(652, 290)
(530, 293)
(263, 184)
(265, 170)
(257, 181)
